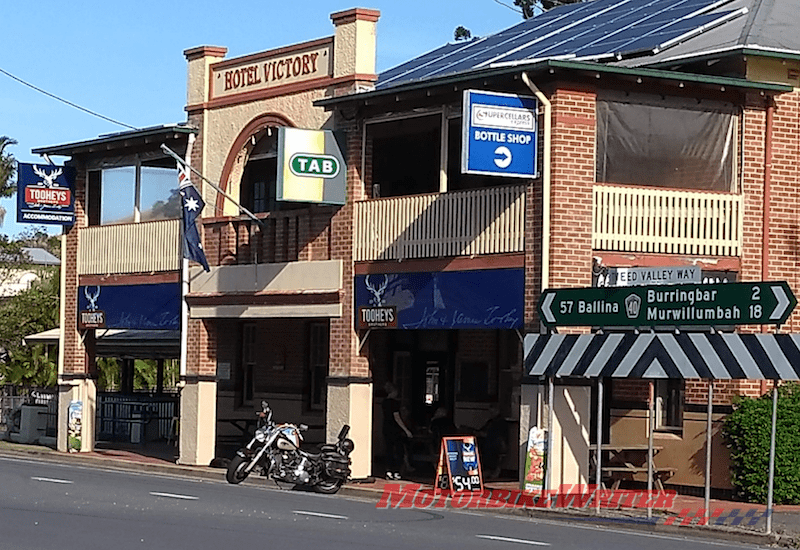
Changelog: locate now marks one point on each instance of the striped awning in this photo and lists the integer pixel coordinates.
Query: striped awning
(664, 355)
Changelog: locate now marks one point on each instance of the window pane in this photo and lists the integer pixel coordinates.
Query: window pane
(405, 156)
(665, 145)
(160, 199)
(117, 195)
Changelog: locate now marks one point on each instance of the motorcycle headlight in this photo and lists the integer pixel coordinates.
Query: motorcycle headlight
(261, 436)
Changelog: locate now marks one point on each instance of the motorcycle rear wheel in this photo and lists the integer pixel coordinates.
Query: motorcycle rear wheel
(236, 470)
(328, 486)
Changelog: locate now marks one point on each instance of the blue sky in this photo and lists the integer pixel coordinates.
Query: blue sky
(125, 60)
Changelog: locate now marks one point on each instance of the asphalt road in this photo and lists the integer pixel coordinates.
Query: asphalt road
(54, 506)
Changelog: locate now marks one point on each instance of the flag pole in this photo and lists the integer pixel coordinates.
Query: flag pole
(216, 187)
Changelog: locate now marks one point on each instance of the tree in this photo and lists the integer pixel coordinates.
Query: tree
(8, 167)
(462, 33)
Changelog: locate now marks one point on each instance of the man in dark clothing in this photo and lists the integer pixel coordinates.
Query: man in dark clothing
(394, 429)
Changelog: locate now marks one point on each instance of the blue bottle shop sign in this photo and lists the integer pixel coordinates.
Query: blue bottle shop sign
(499, 134)
(480, 299)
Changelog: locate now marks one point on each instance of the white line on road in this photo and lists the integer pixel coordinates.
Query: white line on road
(518, 541)
(171, 495)
(319, 514)
(51, 480)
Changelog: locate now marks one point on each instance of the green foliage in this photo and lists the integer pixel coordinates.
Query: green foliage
(31, 311)
(462, 33)
(8, 167)
(747, 431)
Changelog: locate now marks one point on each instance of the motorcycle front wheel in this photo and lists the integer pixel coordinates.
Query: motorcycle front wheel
(328, 486)
(236, 470)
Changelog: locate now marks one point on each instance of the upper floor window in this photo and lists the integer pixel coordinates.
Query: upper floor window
(666, 143)
(131, 194)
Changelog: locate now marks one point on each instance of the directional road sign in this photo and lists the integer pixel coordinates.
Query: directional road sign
(766, 303)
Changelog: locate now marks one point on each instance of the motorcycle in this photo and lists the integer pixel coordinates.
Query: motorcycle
(275, 452)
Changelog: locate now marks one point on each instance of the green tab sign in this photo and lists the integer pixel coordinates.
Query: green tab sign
(765, 303)
(316, 166)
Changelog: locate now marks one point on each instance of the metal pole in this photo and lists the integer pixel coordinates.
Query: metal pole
(598, 454)
(652, 417)
(709, 409)
(772, 456)
(548, 473)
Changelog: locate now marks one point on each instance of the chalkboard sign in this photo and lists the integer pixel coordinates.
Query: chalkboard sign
(459, 465)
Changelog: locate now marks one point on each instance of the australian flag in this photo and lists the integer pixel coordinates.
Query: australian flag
(192, 204)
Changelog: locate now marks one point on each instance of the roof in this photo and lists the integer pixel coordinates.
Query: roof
(142, 344)
(40, 256)
(770, 27)
(630, 33)
(664, 355)
(152, 136)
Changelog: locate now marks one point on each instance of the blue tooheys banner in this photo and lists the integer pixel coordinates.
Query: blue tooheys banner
(143, 307)
(45, 194)
(482, 299)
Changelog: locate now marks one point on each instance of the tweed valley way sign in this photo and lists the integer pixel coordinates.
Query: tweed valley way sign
(766, 303)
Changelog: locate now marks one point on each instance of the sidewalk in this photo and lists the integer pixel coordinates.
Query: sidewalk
(737, 521)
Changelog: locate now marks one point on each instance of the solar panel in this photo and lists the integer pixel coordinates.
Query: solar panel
(588, 30)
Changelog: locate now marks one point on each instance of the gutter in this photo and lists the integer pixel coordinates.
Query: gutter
(548, 110)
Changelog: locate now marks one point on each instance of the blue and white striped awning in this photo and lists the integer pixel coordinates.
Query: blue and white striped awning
(664, 355)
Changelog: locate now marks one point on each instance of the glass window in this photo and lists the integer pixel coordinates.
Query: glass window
(666, 143)
(405, 155)
(118, 195)
(158, 195)
(159, 199)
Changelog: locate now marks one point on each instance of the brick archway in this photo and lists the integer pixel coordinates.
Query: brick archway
(254, 126)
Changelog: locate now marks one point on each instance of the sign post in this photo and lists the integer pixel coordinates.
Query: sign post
(766, 303)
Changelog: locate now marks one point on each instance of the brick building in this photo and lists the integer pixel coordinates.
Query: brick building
(672, 149)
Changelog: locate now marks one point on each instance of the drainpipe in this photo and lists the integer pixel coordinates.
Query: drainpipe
(767, 194)
(548, 109)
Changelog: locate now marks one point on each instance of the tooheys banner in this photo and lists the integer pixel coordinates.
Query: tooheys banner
(45, 194)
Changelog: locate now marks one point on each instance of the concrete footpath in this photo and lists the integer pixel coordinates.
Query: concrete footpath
(672, 514)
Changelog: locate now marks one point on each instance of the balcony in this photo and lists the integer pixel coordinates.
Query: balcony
(667, 221)
(461, 223)
(130, 248)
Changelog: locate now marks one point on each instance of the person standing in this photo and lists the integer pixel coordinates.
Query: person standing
(394, 430)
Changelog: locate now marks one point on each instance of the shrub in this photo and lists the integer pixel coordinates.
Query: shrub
(747, 432)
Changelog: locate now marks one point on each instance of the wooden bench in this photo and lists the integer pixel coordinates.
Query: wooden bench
(617, 473)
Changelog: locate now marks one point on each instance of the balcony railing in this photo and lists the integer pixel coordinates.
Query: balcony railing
(130, 248)
(666, 221)
(461, 223)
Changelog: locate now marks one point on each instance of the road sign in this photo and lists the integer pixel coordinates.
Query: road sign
(766, 303)
(499, 134)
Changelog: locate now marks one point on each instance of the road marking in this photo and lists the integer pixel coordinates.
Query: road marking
(51, 480)
(319, 514)
(518, 541)
(171, 495)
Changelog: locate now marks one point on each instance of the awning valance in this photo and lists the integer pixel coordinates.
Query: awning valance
(664, 355)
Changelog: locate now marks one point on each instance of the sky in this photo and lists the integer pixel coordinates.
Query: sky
(124, 60)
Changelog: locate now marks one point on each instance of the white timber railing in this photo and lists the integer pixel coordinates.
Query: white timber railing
(459, 223)
(666, 221)
(130, 248)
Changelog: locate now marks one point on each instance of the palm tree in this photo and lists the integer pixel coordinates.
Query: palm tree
(8, 167)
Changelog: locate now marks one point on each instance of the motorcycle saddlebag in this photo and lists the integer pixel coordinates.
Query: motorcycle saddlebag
(336, 465)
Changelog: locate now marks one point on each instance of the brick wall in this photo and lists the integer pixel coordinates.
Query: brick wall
(345, 359)
(75, 359)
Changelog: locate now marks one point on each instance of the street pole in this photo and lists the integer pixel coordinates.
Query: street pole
(709, 409)
(771, 482)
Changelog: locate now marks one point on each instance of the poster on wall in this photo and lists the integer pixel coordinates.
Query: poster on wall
(535, 460)
(45, 194)
(74, 417)
(479, 299)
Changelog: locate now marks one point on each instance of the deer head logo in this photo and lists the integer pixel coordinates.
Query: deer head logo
(377, 293)
(47, 179)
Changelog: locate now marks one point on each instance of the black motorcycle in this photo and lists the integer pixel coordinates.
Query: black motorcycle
(275, 452)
